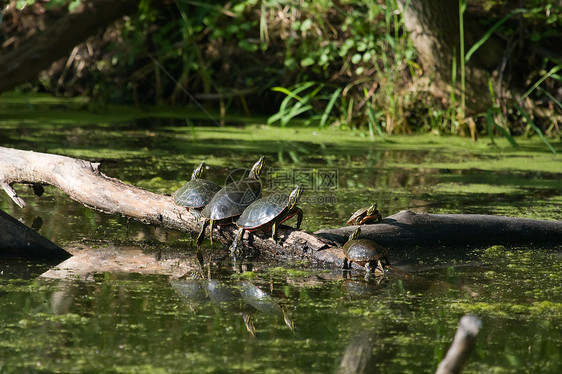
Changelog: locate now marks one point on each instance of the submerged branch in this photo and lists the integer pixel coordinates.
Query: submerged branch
(83, 182)
(462, 346)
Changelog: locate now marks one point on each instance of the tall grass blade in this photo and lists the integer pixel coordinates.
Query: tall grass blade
(373, 123)
(329, 107)
(287, 92)
(535, 127)
(551, 72)
(294, 112)
(284, 107)
(549, 95)
(462, 8)
(489, 33)
(493, 124)
(505, 131)
(490, 124)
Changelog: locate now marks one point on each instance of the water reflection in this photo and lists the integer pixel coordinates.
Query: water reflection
(242, 298)
(358, 356)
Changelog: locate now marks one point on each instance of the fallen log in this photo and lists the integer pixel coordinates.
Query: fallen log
(84, 182)
(407, 229)
(18, 240)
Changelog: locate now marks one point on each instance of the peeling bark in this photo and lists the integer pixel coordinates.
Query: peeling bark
(83, 182)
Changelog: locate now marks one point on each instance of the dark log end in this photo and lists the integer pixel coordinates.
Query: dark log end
(18, 240)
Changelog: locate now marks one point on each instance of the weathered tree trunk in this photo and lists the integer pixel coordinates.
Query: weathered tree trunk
(84, 182)
(434, 30)
(45, 47)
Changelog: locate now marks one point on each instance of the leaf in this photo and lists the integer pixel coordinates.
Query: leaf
(329, 107)
(535, 127)
(551, 72)
(490, 31)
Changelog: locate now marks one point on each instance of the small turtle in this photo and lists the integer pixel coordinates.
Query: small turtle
(365, 215)
(231, 200)
(364, 252)
(197, 193)
(268, 212)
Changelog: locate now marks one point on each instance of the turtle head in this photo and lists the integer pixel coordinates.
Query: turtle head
(372, 209)
(295, 196)
(256, 169)
(198, 171)
(355, 234)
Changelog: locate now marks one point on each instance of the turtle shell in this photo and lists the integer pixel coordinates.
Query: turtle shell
(357, 216)
(232, 199)
(362, 251)
(196, 193)
(262, 211)
(360, 214)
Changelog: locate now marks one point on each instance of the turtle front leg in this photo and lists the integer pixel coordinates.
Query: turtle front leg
(345, 264)
(299, 218)
(235, 246)
(201, 235)
(274, 233)
(380, 267)
(211, 230)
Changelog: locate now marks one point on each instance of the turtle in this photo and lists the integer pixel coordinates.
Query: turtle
(197, 193)
(231, 200)
(364, 252)
(268, 212)
(365, 215)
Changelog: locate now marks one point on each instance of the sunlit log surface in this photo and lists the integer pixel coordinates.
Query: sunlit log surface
(84, 182)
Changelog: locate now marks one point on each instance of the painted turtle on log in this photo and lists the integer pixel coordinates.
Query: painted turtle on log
(268, 212)
(364, 252)
(197, 193)
(365, 215)
(231, 200)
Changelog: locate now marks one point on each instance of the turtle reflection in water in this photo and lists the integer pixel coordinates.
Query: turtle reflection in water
(190, 290)
(365, 215)
(364, 252)
(242, 298)
(228, 298)
(263, 302)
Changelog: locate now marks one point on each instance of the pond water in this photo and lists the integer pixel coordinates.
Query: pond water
(268, 316)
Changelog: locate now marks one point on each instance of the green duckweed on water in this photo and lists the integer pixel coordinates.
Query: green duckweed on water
(130, 323)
